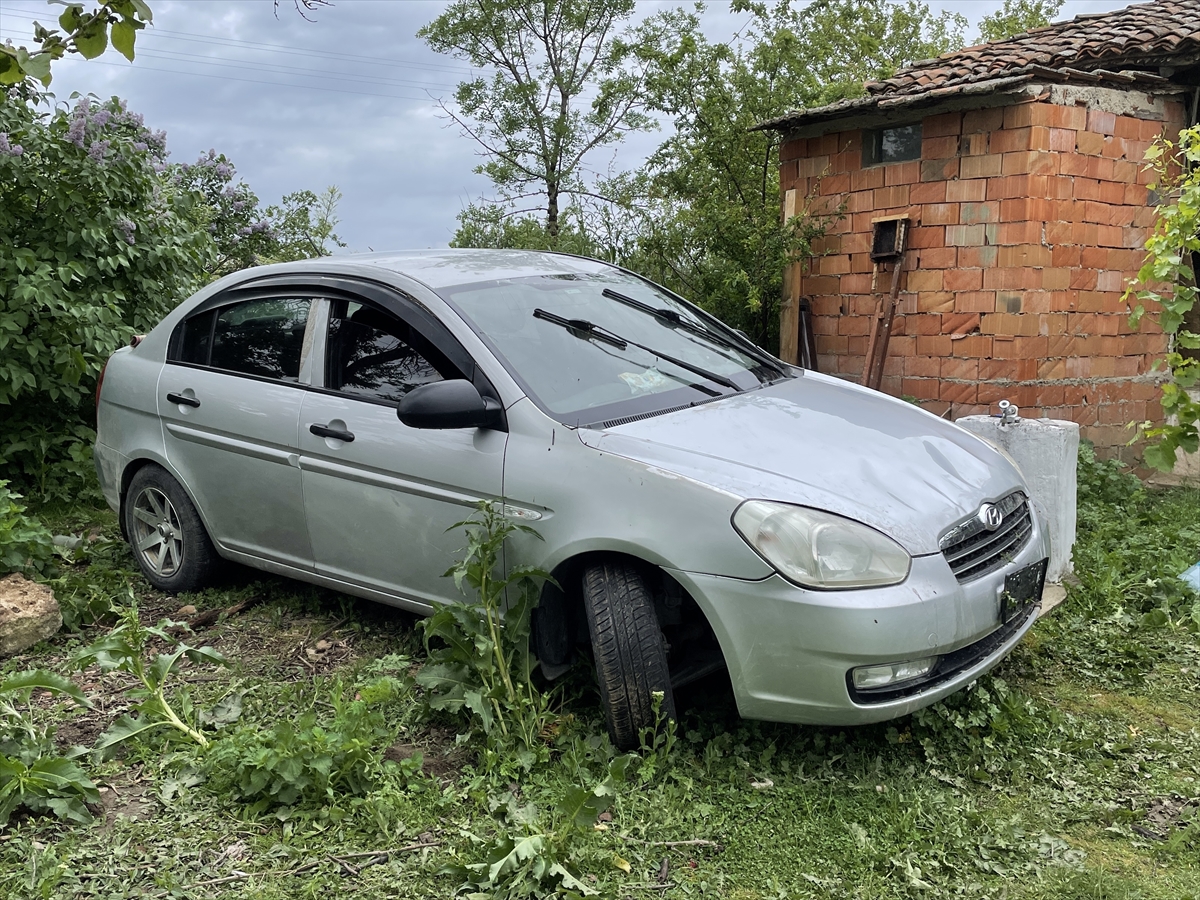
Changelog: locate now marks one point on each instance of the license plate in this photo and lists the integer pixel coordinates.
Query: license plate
(1022, 588)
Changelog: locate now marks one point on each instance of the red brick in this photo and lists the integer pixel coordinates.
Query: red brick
(1100, 168)
(1021, 255)
(1101, 121)
(977, 120)
(975, 213)
(941, 126)
(941, 147)
(1072, 164)
(1090, 143)
(927, 323)
(1009, 139)
(939, 169)
(1114, 149)
(977, 257)
(935, 302)
(975, 301)
(964, 235)
(927, 236)
(1023, 209)
(902, 173)
(921, 366)
(1032, 162)
(1062, 140)
(890, 197)
(960, 323)
(977, 346)
(939, 214)
(970, 191)
(932, 192)
(921, 388)
(1019, 233)
(986, 166)
(934, 345)
(855, 284)
(924, 280)
(867, 179)
(937, 258)
(959, 368)
(1056, 279)
(963, 279)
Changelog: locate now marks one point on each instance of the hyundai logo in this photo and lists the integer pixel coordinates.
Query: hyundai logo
(991, 516)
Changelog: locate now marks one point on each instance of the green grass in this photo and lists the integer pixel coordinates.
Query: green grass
(1047, 781)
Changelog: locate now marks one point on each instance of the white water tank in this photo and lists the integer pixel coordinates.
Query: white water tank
(1046, 451)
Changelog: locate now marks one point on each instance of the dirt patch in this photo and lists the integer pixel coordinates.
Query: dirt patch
(441, 757)
(127, 796)
(1165, 813)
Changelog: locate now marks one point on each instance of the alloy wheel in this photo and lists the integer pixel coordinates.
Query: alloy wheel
(157, 535)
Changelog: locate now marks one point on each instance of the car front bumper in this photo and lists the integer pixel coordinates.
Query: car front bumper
(789, 650)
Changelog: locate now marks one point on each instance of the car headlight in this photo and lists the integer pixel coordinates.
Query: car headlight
(818, 549)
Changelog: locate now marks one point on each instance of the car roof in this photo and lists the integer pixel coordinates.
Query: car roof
(445, 268)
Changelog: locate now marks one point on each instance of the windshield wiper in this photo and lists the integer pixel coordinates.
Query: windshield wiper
(590, 331)
(675, 320)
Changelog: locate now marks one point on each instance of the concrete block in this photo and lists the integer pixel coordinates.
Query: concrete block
(1046, 452)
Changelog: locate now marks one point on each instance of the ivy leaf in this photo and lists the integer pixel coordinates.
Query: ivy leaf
(1160, 456)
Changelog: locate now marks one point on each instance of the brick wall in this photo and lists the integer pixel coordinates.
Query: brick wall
(1028, 221)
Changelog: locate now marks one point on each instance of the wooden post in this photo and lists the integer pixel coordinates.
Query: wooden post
(890, 242)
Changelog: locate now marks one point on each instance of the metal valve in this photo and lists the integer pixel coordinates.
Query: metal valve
(1009, 414)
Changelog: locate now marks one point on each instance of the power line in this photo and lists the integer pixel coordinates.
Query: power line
(191, 37)
(306, 87)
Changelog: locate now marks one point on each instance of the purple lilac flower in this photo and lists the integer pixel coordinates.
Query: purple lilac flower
(140, 146)
(100, 119)
(98, 150)
(127, 229)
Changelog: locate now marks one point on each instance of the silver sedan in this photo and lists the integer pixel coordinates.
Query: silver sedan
(846, 556)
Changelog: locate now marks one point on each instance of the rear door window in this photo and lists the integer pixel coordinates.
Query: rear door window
(264, 337)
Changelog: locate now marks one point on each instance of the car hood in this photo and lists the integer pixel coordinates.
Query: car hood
(822, 442)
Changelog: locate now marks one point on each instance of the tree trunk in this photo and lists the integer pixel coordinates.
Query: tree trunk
(552, 214)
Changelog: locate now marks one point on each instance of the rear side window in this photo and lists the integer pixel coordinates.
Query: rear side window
(265, 338)
(196, 338)
(375, 355)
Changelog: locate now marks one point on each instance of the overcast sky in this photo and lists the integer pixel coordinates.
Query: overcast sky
(344, 100)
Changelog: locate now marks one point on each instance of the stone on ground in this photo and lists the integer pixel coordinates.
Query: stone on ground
(28, 614)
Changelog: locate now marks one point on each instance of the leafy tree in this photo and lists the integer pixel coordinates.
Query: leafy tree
(301, 225)
(711, 220)
(1168, 280)
(1016, 17)
(562, 82)
(243, 233)
(94, 247)
(85, 33)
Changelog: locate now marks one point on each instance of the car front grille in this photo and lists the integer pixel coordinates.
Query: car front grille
(973, 549)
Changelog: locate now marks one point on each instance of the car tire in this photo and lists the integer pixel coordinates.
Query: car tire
(630, 653)
(168, 540)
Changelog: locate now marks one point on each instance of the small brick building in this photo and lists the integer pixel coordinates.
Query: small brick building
(1019, 167)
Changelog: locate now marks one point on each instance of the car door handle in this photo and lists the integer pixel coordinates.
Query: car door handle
(186, 401)
(335, 433)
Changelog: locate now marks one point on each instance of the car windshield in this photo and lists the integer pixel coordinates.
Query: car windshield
(597, 347)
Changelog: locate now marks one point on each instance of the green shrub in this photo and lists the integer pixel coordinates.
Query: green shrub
(25, 543)
(306, 762)
(32, 774)
(94, 247)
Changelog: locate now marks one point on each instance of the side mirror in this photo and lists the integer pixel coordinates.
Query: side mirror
(450, 404)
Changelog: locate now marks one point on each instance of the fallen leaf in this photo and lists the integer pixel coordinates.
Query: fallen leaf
(622, 864)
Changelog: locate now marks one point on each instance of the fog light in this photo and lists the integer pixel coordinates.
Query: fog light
(867, 677)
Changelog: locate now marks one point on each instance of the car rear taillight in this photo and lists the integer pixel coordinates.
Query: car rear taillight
(99, 385)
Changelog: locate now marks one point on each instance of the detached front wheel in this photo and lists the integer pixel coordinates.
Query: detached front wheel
(169, 542)
(631, 655)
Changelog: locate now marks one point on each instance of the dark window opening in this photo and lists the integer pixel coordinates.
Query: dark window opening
(196, 339)
(375, 355)
(889, 145)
